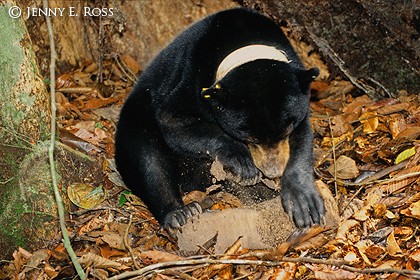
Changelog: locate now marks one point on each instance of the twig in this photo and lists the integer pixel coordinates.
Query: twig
(7, 181)
(333, 152)
(76, 90)
(382, 87)
(372, 178)
(60, 208)
(380, 182)
(384, 172)
(101, 208)
(121, 65)
(205, 261)
(127, 246)
(331, 54)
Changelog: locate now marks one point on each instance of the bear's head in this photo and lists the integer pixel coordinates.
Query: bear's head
(260, 103)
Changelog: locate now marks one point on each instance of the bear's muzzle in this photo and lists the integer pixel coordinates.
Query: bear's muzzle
(271, 159)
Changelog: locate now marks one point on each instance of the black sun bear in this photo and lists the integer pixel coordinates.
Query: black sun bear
(229, 85)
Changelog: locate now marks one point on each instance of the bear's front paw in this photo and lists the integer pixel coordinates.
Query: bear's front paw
(304, 204)
(179, 217)
(238, 163)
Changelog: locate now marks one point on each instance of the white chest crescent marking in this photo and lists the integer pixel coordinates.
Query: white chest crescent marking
(247, 54)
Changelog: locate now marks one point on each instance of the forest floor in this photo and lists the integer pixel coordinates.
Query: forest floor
(367, 154)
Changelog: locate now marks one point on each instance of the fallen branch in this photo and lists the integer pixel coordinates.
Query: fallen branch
(331, 54)
(127, 245)
(206, 261)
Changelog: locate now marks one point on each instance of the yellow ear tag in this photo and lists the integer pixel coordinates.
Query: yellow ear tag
(217, 86)
(205, 95)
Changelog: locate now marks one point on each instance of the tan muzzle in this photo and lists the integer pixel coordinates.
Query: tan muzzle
(272, 159)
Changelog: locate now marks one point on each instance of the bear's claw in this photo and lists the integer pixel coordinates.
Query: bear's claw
(180, 216)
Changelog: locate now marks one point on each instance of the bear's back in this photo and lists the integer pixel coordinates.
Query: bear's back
(195, 54)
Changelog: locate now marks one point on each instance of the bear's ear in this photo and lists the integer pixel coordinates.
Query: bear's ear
(305, 77)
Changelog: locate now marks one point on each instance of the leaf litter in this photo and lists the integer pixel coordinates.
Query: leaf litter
(375, 180)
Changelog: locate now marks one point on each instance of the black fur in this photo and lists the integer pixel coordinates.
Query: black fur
(168, 134)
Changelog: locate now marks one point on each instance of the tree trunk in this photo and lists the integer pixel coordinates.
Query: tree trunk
(375, 42)
(138, 28)
(27, 205)
(26, 199)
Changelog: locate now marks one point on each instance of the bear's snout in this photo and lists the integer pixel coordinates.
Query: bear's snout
(271, 159)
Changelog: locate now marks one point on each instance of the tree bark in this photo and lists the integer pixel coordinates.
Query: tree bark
(26, 201)
(376, 42)
(138, 28)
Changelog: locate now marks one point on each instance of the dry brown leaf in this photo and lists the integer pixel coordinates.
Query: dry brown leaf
(388, 264)
(344, 228)
(339, 126)
(413, 260)
(99, 102)
(375, 252)
(60, 253)
(87, 135)
(334, 274)
(353, 110)
(90, 260)
(86, 196)
(300, 240)
(155, 256)
(114, 240)
(413, 198)
(225, 200)
(225, 273)
(50, 271)
(403, 231)
(363, 214)
(410, 133)
(370, 121)
(351, 257)
(286, 272)
(24, 253)
(313, 237)
(415, 255)
(362, 247)
(345, 167)
(93, 224)
(36, 258)
(131, 63)
(77, 143)
(108, 252)
(413, 210)
(379, 210)
(236, 246)
(333, 214)
(194, 196)
(90, 66)
(396, 125)
(327, 141)
(64, 81)
(400, 185)
(392, 245)
(394, 108)
(321, 87)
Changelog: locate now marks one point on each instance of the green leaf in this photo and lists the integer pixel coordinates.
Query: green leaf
(406, 154)
(123, 199)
